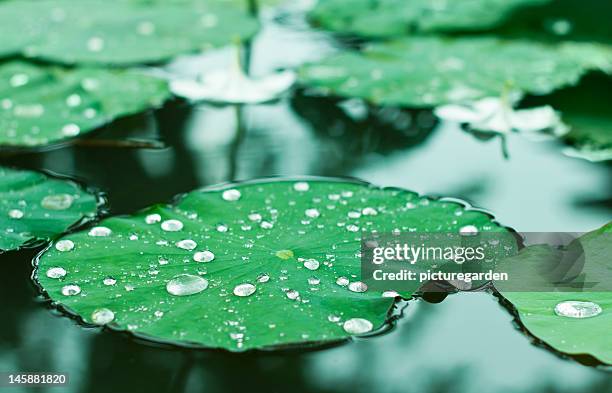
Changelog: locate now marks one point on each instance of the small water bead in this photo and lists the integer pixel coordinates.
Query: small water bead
(369, 211)
(301, 186)
(263, 277)
(100, 232)
(152, 218)
(186, 284)
(145, 28)
(312, 213)
(358, 286)
(102, 316)
(172, 225)
(352, 228)
(203, 256)
(342, 281)
(266, 225)
(333, 318)
(71, 130)
(95, 44)
(222, 228)
(390, 294)
(57, 202)
(73, 100)
(158, 314)
(19, 80)
(236, 336)
(577, 309)
(311, 264)
(314, 281)
(357, 326)
(231, 195)
(15, 214)
(255, 217)
(64, 245)
(109, 281)
(468, 230)
(244, 290)
(71, 290)
(292, 294)
(187, 244)
(354, 214)
(56, 272)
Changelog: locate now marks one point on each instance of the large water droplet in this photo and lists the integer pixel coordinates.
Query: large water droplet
(357, 326)
(57, 202)
(186, 284)
(172, 225)
(468, 230)
(64, 245)
(186, 244)
(203, 256)
(56, 272)
(15, 214)
(245, 289)
(577, 309)
(311, 264)
(102, 316)
(100, 231)
(71, 290)
(358, 286)
(153, 219)
(231, 195)
(301, 186)
(109, 281)
(292, 294)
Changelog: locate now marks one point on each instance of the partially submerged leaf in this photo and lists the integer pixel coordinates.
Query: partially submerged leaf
(562, 303)
(41, 105)
(430, 71)
(392, 18)
(590, 137)
(119, 32)
(35, 207)
(258, 264)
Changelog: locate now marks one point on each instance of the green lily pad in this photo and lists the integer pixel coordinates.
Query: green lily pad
(430, 71)
(119, 32)
(34, 207)
(42, 105)
(392, 18)
(575, 316)
(259, 264)
(591, 137)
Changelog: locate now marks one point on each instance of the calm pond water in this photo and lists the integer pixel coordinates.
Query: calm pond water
(467, 343)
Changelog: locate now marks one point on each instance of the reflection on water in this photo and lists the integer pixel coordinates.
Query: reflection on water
(467, 343)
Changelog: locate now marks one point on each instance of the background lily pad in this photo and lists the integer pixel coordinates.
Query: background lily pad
(36, 207)
(429, 71)
(119, 32)
(265, 263)
(41, 105)
(391, 18)
(551, 317)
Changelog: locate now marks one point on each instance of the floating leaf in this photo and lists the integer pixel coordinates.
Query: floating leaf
(119, 31)
(590, 136)
(429, 71)
(251, 265)
(392, 18)
(35, 207)
(575, 316)
(42, 105)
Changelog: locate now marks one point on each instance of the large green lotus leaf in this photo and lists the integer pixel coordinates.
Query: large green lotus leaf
(34, 207)
(41, 105)
(293, 242)
(119, 32)
(392, 18)
(550, 315)
(429, 71)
